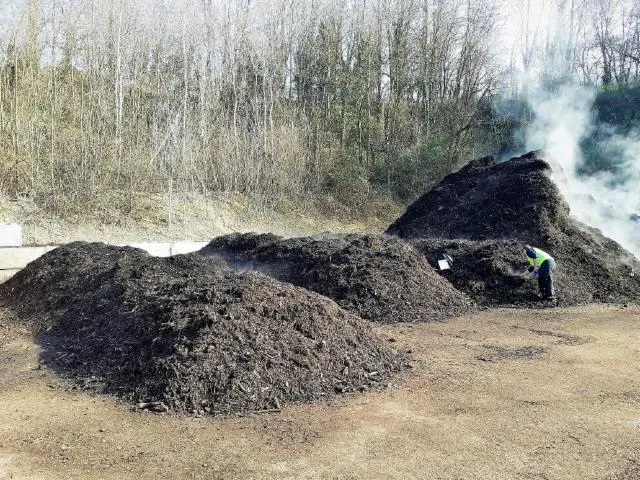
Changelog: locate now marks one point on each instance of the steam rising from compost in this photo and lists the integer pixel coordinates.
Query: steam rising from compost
(609, 199)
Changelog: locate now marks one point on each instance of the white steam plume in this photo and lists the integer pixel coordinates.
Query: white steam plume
(609, 201)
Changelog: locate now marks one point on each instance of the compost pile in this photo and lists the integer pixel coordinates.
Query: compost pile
(494, 273)
(190, 334)
(379, 278)
(484, 214)
(487, 199)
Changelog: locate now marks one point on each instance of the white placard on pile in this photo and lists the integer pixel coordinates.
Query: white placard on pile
(443, 264)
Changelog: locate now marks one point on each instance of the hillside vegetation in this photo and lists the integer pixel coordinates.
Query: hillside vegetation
(107, 108)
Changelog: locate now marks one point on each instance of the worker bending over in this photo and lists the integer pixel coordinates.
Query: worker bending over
(541, 266)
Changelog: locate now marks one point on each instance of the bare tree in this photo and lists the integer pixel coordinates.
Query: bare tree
(103, 102)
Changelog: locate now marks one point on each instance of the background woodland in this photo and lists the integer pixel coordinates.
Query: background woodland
(104, 105)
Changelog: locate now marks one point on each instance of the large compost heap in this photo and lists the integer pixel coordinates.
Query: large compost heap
(380, 279)
(191, 334)
(482, 216)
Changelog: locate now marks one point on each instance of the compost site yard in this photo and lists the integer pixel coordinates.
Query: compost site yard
(502, 394)
(335, 356)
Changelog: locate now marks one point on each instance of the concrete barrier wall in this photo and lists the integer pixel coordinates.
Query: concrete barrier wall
(13, 259)
(7, 274)
(154, 249)
(186, 247)
(166, 249)
(10, 235)
(18, 257)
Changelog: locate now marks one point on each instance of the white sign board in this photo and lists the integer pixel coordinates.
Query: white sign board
(443, 264)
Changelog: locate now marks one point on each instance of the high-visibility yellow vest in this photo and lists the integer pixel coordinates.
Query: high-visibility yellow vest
(541, 256)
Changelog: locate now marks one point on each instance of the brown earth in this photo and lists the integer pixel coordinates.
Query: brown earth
(502, 394)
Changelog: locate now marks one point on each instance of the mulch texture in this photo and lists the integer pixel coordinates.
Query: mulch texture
(484, 214)
(191, 335)
(379, 278)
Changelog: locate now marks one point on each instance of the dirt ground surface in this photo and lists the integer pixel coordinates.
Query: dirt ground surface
(501, 394)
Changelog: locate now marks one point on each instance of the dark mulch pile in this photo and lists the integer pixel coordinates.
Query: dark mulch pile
(486, 199)
(491, 272)
(192, 333)
(379, 278)
(483, 214)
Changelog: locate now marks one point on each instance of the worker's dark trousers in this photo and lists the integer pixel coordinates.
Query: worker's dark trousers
(545, 283)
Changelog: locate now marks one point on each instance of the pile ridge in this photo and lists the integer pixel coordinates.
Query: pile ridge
(379, 278)
(488, 199)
